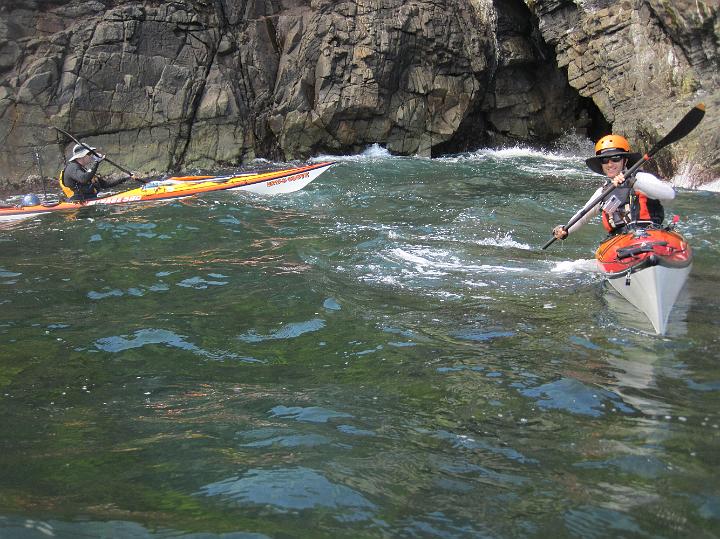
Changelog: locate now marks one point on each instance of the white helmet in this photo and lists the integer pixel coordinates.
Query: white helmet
(80, 150)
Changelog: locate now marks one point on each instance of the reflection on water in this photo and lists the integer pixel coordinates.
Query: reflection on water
(287, 331)
(18, 528)
(575, 397)
(387, 353)
(288, 489)
(312, 414)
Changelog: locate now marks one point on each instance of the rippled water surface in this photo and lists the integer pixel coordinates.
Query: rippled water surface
(387, 353)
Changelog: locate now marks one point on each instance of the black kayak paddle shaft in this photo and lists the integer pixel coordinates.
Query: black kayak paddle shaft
(88, 148)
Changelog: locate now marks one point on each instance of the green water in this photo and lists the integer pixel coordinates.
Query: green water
(387, 353)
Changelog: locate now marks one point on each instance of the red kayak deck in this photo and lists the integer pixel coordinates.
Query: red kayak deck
(632, 251)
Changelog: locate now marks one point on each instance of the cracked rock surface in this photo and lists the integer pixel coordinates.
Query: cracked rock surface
(202, 84)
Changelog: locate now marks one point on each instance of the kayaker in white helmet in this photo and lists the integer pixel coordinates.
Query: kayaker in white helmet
(78, 179)
(632, 204)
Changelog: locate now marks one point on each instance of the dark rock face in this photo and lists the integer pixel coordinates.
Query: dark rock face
(205, 83)
(403, 74)
(644, 63)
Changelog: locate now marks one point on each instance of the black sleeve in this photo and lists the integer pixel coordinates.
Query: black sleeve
(76, 173)
(112, 183)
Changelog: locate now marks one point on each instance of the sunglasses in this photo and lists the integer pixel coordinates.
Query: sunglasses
(614, 159)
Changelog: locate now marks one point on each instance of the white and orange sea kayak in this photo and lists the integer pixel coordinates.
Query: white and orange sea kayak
(263, 183)
(648, 267)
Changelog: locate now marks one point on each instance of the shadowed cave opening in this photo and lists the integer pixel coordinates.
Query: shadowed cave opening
(506, 115)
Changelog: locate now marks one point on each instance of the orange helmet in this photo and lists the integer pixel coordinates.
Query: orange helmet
(609, 146)
(612, 142)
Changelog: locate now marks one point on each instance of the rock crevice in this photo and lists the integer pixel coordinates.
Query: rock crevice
(201, 84)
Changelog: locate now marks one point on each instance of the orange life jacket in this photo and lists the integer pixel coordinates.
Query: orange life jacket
(637, 208)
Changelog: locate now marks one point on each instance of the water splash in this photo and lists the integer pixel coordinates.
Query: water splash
(503, 240)
(690, 176)
(371, 153)
(582, 265)
(574, 145)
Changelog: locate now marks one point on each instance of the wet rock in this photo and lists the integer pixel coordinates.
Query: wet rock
(198, 84)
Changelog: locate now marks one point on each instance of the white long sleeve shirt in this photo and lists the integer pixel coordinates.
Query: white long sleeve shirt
(645, 183)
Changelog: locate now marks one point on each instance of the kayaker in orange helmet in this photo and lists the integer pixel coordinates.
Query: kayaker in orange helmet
(634, 203)
(78, 179)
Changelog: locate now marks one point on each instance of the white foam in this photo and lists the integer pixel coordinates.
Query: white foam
(512, 153)
(442, 260)
(506, 241)
(371, 153)
(571, 266)
(376, 152)
(558, 161)
(414, 258)
(524, 152)
(687, 178)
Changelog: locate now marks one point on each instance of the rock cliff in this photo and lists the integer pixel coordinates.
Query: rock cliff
(207, 83)
(644, 63)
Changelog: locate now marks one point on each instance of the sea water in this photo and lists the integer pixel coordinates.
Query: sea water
(387, 353)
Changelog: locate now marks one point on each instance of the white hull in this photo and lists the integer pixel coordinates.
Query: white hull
(278, 186)
(653, 291)
(10, 218)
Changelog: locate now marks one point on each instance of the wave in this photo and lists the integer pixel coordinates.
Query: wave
(516, 152)
(525, 152)
(375, 152)
(571, 266)
(501, 240)
(689, 176)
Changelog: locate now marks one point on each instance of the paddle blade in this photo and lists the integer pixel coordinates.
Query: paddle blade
(684, 126)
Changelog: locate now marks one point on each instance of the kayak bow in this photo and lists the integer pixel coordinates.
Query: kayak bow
(266, 183)
(648, 267)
